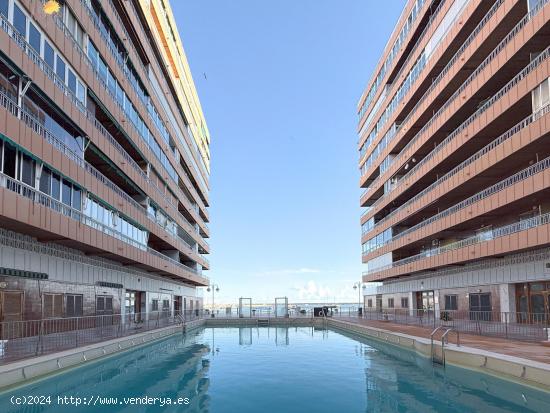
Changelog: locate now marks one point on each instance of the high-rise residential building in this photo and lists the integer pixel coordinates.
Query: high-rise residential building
(104, 162)
(454, 151)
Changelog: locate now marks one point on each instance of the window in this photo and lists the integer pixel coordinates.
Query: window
(73, 305)
(48, 54)
(71, 81)
(404, 302)
(52, 305)
(451, 302)
(77, 199)
(165, 305)
(19, 20)
(541, 95)
(80, 91)
(103, 304)
(34, 37)
(27, 170)
(4, 6)
(390, 302)
(92, 54)
(102, 69)
(66, 194)
(46, 181)
(60, 68)
(369, 303)
(9, 159)
(56, 183)
(155, 305)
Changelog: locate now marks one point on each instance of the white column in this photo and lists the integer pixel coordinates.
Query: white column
(412, 303)
(506, 294)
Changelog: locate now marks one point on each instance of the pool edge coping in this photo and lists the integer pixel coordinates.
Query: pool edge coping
(522, 371)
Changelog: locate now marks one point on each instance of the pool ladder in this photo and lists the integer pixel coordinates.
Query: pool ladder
(444, 340)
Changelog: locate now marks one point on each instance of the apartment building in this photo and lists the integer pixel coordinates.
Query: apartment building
(104, 162)
(454, 148)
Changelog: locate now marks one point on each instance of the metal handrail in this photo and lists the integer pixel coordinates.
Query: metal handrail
(515, 80)
(43, 199)
(487, 148)
(21, 42)
(451, 62)
(499, 186)
(467, 82)
(476, 239)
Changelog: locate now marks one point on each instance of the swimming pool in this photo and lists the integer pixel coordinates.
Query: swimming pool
(272, 369)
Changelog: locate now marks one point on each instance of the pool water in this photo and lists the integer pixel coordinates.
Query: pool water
(298, 369)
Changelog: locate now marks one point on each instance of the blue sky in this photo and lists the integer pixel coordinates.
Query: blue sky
(279, 83)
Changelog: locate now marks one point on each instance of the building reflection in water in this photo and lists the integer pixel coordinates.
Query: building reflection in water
(170, 368)
(391, 389)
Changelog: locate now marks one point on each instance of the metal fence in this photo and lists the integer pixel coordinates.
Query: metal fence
(512, 325)
(23, 339)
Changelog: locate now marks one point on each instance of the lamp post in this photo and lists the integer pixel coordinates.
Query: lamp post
(359, 286)
(214, 288)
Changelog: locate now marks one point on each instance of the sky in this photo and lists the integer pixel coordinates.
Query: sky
(279, 83)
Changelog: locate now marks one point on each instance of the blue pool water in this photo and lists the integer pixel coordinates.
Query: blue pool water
(298, 369)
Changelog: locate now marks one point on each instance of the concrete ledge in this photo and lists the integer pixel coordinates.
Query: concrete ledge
(14, 373)
(520, 370)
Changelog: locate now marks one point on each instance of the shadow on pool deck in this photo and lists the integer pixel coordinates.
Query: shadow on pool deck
(535, 351)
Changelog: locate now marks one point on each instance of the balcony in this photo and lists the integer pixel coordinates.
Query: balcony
(29, 51)
(529, 172)
(496, 233)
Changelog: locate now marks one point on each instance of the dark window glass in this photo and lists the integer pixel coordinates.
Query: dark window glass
(451, 302)
(34, 37)
(77, 199)
(404, 302)
(9, 159)
(66, 195)
(19, 20)
(56, 180)
(48, 54)
(74, 305)
(45, 181)
(27, 170)
(4, 7)
(71, 81)
(60, 68)
(100, 304)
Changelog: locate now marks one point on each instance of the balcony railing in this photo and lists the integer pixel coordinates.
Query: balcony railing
(453, 60)
(59, 207)
(31, 338)
(30, 120)
(502, 138)
(513, 82)
(524, 326)
(466, 242)
(467, 82)
(31, 53)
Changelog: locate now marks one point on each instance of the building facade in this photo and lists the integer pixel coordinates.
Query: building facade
(454, 133)
(104, 162)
